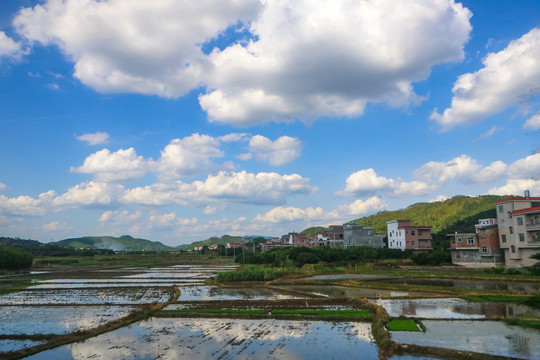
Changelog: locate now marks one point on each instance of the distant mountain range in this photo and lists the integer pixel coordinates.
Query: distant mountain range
(459, 213)
(122, 243)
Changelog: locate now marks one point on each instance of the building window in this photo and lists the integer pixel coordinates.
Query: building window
(459, 239)
(521, 237)
(520, 221)
(501, 209)
(503, 238)
(509, 215)
(513, 248)
(484, 249)
(501, 223)
(453, 240)
(470, 240)
(412, 243)
(457, 255)
(465, 253)
(511, 230)
(419, 232)
(412, 232)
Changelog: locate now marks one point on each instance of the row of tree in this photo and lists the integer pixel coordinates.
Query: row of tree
(299, 256)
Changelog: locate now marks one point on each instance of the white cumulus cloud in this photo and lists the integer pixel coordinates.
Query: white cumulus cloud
(148, 47)
(300, 59)
(528, 167)
(507, 77)
(114, 166)
(120, 217)
(94, 138)
(285, 149)
(8, 47)
(289, 214)
(367, 182)
(463, 168)
(517, 187)
(533, 122)
(90, 194)
(224, 187)
(189, 156)
(328, 58)
(363, 208)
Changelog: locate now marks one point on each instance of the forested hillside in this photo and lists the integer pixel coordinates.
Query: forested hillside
(457, 211)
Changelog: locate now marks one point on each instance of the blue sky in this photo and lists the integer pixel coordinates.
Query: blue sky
(178, 122)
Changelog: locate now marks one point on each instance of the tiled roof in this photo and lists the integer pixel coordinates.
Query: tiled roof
(526, 210)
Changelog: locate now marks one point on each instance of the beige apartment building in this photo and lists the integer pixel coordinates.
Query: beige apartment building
(519, 229)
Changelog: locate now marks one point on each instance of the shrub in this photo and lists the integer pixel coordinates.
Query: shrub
(13, 258)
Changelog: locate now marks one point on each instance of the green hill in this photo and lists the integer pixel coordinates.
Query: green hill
(122, 243)
(459, 210)
(214, 240)
(309, 232)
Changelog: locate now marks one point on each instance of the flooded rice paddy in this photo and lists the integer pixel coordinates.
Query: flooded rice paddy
(31, 320)
(165, 338)
(63, 304)
(336, 291)
(489, 337)
(453, 308)
(516, 286)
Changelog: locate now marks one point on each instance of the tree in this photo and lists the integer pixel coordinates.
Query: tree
(13, 258)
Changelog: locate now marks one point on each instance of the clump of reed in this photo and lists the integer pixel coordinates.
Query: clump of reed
(248, 273)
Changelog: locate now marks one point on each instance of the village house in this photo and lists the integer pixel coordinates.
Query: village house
(478, 249)
(402, 235)
(332, 237)
(233, 244)
(275, 242)
(356, 235)
(519, 229)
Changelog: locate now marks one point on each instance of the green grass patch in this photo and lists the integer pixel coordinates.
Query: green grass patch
(402, 325)
(321, 313)
(214, 311)
(533, 324)
(333, 313)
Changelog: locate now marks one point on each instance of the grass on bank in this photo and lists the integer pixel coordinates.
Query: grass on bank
(402, 325)
(315, 312)
(532, 324)
(333, 313)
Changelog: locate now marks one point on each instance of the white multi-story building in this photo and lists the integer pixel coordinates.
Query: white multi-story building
(402, 235)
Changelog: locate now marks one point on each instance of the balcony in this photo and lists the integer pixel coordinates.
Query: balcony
(532, 227)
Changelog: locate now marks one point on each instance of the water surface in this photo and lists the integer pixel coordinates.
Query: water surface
(489, 337)
(166, 338)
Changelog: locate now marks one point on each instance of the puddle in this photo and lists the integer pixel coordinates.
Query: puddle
(167, 338)
(488, 337)
(15, 320)
(87, 296)
(519, 286)
(343, 291)
(14, 345)
(199, 293)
